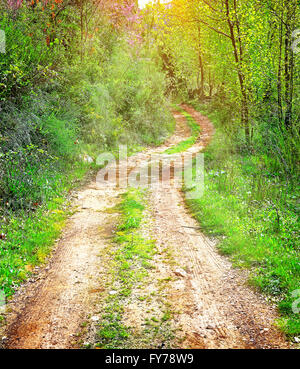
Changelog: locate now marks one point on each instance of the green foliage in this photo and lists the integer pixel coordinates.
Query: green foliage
(121, 102)
(239, 55)
(254, 215)
(62, 136)
(131, 259)
(29, 235)
(27, 58)
(132, 212)
(137, 88)
(25, 177)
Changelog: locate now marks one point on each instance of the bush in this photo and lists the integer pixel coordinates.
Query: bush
(60, 99)
(25, 178)
(62, 136)
(27, 58)
(120, 102)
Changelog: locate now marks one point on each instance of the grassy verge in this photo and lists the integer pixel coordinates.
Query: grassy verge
(28, 236)
(131, 261)
(254, 217)
(186, 144)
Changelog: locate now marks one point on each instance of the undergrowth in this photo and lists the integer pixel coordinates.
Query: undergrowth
(28, 235)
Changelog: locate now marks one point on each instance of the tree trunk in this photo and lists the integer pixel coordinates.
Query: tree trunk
(279, 79)
(201, 67)
(289, 62)
(210, 85)
(238, 55)
(81, 30)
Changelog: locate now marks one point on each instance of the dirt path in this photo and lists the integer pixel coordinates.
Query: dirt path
(214, 308)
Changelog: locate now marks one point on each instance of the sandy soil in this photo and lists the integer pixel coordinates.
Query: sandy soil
(213, 306)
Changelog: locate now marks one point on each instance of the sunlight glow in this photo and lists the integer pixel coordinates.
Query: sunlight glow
(143, 3)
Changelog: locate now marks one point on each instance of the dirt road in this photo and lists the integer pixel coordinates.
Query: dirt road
(213, 306)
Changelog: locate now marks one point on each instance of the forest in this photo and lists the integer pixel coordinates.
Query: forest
(79, 78)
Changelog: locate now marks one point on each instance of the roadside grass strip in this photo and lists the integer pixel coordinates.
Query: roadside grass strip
(130, 259)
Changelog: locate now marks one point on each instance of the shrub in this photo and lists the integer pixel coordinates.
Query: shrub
(25, 178)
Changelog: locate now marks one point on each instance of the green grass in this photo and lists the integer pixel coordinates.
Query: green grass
(186, 144)
(254, 217)
(29, 235)
(131, 260)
